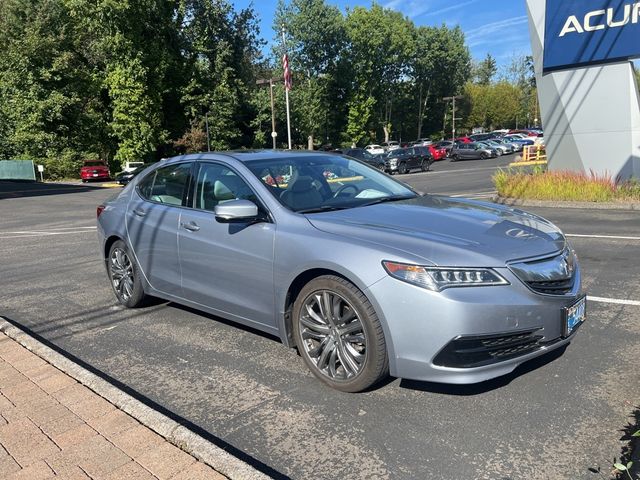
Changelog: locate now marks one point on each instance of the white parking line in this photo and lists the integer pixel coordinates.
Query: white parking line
(473, 195)
(607, 237)
(615, 301)
(45, 233)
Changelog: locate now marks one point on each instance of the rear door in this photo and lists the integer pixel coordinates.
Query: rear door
(227, 267)
(152, 220)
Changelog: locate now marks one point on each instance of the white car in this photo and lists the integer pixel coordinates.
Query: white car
(374, 149)
(391, 146)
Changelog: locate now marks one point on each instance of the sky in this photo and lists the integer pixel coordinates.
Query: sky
(498, 27)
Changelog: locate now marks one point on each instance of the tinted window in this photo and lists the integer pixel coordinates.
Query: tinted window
(217, 184)
(166, 185)
(319, 182)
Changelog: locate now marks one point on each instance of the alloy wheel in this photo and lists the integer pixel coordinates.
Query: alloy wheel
(122, 275)
(333, 336)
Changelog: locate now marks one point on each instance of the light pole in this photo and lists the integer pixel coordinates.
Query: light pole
(271, 82)
(453, 119)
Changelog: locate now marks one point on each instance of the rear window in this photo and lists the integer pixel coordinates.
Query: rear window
(93, 164)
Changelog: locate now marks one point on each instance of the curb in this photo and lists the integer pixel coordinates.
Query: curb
(176, 434)
(516, 202)
(528, 164)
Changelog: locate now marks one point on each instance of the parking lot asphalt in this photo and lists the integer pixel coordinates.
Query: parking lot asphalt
(553, 418)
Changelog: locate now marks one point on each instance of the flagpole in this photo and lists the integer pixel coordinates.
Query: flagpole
(286, 92)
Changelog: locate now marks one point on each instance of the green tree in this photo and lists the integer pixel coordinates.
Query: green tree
(485, 70)
(315, 43)
(441, 67)
(381, 46)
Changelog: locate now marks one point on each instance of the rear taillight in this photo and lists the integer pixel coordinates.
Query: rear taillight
(99, 210)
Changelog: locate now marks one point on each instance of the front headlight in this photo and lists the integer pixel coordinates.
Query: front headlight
(440, 278)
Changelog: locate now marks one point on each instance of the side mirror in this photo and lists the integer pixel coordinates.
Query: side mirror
(236, 211)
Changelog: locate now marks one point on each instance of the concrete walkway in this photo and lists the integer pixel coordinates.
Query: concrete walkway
(51, 426)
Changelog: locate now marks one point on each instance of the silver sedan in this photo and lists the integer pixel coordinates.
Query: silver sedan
(364, 276)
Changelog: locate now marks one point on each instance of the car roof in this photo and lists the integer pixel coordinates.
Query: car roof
(249, 155)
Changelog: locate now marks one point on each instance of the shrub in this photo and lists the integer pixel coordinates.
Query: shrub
(563, 186)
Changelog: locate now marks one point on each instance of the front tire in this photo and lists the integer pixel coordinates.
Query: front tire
(339, 335)
(125, 276)
(483, 156)
(402, 169)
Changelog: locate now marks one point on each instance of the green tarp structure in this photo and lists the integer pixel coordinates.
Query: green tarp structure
(17, 170)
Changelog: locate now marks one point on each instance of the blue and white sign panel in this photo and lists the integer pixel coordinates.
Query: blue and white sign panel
(587, 32)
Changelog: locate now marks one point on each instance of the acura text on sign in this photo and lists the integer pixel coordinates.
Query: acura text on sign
(585, 32)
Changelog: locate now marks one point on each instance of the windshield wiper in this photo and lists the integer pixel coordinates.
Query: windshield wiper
(324, 208)
(394, 198)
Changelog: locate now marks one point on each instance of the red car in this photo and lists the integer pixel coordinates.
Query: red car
(464, 140)
(94, 170)
(437, 153)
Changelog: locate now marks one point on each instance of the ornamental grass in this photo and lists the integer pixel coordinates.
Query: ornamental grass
(564, 186)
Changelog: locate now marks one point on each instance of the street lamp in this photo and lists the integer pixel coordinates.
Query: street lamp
(271, 82)
(454, 98)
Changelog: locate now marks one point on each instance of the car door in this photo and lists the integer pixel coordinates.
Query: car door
(227, 267)
(152, 221)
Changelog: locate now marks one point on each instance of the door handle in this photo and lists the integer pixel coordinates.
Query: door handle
(191, 226)
(139, 213)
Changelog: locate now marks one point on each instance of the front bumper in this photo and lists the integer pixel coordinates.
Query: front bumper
(422, 327)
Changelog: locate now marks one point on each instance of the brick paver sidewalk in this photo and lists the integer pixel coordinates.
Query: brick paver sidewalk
(53, 427)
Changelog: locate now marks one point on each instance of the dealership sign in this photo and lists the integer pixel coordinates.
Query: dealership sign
(587, 32)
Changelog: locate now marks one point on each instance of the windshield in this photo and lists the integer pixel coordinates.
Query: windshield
(316, 183)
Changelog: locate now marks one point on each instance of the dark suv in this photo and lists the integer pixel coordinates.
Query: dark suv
(403, 160)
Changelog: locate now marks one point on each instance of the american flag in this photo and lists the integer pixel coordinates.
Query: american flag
(287, 72)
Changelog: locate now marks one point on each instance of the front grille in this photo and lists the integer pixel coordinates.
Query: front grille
(559, 287)
(477, 351)
(549, 276)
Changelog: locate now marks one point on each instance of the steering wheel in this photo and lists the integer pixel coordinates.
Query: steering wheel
(356, 190)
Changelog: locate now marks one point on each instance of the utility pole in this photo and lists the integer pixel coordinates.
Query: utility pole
(271, 82)
(453, 119)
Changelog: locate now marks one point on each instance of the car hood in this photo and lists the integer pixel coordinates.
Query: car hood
(446, 231)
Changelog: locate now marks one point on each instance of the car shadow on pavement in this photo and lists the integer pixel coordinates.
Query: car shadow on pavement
(26, 188)
(489, 385)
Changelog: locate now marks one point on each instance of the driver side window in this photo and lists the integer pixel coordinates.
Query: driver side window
(218, 184)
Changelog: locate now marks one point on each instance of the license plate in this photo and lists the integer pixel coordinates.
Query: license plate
(95, 174)
(574, 316)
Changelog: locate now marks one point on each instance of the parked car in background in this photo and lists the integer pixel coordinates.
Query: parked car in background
(125, 177)
(505, 148)
(365, 276)
(437, 153)
(376, 161)
(519, 139)
(422, 142)
(390, 146)
(446, 145)
(472, 151)
(94, 170)
(131, 166)
(404, 160)
(464, 140)
(374, 149)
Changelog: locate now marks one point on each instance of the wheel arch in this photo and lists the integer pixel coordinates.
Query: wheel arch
(294, 288)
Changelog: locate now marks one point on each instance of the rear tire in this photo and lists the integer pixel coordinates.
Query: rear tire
(424, 166)
(124, 275)
(339, 335)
